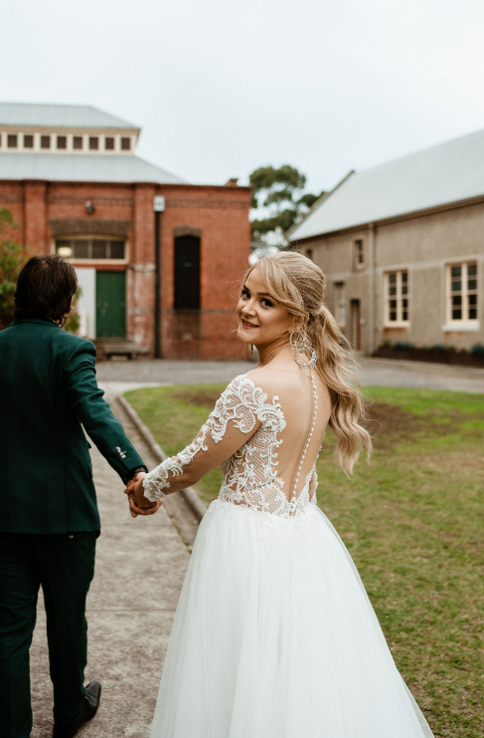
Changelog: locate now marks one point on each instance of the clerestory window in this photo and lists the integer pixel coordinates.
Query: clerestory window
(90, 248)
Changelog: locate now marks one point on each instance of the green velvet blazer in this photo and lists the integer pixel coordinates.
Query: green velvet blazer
(48, 392)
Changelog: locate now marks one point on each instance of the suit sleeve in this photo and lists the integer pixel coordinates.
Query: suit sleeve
(86, 400)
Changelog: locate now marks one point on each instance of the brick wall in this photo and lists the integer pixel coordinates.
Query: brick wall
(218, 214)
(221, 214)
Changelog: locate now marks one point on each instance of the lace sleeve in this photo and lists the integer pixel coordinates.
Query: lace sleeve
(238, 413)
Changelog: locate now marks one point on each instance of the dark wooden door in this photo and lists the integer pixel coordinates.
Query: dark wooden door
(355, 324)
(187, 273)
(110, 304)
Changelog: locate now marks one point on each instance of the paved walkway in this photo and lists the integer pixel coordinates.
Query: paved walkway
(140, 566)
(119, 376)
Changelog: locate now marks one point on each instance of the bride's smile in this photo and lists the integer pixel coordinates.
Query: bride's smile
(262, 319)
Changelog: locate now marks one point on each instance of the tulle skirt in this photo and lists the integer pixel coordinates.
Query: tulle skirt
(275, 637)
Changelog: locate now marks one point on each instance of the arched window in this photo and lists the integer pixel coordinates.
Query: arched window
(187, 272)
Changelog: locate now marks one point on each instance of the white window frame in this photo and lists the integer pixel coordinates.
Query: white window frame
(464, 323)
(339, 292)
(93, 237)
(399, 297)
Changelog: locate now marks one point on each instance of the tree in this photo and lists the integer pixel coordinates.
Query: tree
(13, 256)
(278, 197)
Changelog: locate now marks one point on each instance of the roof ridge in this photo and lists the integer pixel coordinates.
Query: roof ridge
(47, 104)
(71, 107)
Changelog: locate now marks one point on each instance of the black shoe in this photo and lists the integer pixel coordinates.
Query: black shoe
(91, 703)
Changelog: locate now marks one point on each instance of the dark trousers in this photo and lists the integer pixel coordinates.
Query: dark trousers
(63, 565)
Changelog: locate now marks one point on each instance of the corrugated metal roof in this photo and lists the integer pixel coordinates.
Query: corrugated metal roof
(59, 116)
(83, 168)
(441, 175)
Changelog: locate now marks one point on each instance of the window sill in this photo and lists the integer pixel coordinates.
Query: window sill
(399, 324)
(459, 326)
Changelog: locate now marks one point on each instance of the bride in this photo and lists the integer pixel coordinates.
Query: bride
(274, 635)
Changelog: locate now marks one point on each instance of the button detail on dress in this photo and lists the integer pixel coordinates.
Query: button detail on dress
(120, 453)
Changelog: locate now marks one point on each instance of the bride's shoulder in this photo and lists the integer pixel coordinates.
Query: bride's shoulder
(263, 385)
(268, 380)
(254, 380)
(258, 385)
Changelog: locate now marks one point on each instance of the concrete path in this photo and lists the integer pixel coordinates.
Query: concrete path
(119, 376)
(140, 567)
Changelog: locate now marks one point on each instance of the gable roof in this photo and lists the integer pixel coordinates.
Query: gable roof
(59, 116)
(83, 168)
(444, 174)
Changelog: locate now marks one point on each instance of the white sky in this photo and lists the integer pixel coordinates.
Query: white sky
(221, 87)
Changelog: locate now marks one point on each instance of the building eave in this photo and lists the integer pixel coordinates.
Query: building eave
(316, 205)
(391, 220)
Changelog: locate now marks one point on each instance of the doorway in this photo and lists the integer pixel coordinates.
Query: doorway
(187, 273)
(110, 304)
(355, 325)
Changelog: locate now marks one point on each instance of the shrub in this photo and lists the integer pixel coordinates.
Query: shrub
(477, 349)
(73, 322)
(13, 256)
(442, 347)
(403, 345)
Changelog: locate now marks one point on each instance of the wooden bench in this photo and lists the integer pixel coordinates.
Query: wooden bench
(122, 348)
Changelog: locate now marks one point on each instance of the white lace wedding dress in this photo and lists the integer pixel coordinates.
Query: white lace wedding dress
(274, 635)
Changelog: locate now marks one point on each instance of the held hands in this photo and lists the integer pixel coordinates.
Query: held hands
(138, 503)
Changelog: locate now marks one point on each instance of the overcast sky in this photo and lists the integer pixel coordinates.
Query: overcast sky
(221, 87)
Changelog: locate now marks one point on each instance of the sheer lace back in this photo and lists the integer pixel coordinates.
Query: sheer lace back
(272, 467)
(252, 476)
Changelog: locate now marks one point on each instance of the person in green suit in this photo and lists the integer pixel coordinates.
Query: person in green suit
(49, 520)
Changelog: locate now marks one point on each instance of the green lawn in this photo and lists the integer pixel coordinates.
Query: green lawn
(414, 523)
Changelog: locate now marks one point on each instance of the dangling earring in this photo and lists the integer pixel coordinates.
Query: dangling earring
(252, 348)
(295, 339)
(299, 342)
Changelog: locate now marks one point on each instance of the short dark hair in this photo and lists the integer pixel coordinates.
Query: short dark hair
(45, 288)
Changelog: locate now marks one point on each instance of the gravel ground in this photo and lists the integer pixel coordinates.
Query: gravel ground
(119, 376)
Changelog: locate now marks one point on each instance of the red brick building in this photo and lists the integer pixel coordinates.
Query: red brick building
(133, 231)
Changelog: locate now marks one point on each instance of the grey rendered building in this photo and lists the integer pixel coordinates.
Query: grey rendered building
(402, 247)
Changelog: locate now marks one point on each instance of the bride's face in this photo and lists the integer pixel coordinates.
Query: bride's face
(262, 319)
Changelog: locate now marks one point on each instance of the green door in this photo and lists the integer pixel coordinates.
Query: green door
(110, 304)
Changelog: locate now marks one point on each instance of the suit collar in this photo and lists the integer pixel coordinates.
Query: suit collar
(38, 321)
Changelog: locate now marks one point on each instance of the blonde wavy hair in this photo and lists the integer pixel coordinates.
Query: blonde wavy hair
(298, 284)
